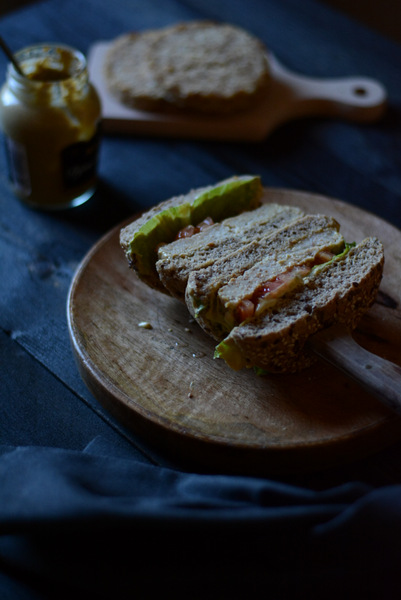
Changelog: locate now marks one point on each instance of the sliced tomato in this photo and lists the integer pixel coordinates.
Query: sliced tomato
(267, 288)
(270, 290)
(278, 286)
(244, 310)
(323, 256)
(191, 230)
(280, 283)
(208, 222)
(185, 232)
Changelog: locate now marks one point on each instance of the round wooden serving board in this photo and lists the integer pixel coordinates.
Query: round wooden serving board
(164, 384)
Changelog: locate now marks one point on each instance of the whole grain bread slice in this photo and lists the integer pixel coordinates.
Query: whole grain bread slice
(197, 66)
(340, 293)
(177, 260)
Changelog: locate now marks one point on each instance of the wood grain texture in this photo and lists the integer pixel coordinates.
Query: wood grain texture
(164, 384)
(380, 377)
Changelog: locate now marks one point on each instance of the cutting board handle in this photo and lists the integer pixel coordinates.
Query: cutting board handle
(354, 98)
(378, 376)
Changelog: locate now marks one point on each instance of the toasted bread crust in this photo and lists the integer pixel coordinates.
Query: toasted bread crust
(197, 66)
(340, 294)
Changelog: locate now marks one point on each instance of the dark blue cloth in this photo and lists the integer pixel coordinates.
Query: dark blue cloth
(87, 507)
(94, 523)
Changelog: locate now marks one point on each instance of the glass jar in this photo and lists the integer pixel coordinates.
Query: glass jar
(50, 118)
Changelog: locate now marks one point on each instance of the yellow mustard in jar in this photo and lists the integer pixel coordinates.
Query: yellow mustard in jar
(50, 119)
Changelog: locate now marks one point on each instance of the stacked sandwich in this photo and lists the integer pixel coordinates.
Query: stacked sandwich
(259, 278)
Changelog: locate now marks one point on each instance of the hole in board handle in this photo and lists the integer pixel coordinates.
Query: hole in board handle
(360, 91)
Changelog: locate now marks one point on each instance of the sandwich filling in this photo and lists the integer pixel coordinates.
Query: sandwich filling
(249, 282)
(190, 230)
(266, 294)
(227, 349)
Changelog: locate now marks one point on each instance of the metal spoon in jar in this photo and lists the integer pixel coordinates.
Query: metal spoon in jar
(11, 57)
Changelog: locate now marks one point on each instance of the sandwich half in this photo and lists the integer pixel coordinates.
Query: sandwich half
(339, 291)
(245, 283)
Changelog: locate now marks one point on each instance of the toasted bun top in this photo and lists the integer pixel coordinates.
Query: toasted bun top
(198, 65)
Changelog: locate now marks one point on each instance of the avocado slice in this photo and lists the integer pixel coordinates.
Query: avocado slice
(231, 354)
(224, 200)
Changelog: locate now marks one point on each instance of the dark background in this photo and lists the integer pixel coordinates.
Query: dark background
(383, 16)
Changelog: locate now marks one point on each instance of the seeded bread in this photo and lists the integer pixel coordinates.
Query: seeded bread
(179, 258)
(214, 293)
(341, 293)
(197, 66)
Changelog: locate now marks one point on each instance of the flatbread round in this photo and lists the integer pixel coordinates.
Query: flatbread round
(197, 66)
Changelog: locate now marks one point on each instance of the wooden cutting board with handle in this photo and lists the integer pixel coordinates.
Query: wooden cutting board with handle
(290, 96)
(149, 364)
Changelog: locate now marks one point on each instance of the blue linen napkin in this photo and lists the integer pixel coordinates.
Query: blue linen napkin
(93, 522)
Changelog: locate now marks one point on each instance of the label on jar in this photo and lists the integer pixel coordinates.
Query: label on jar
(79, 161)
(18, 169)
